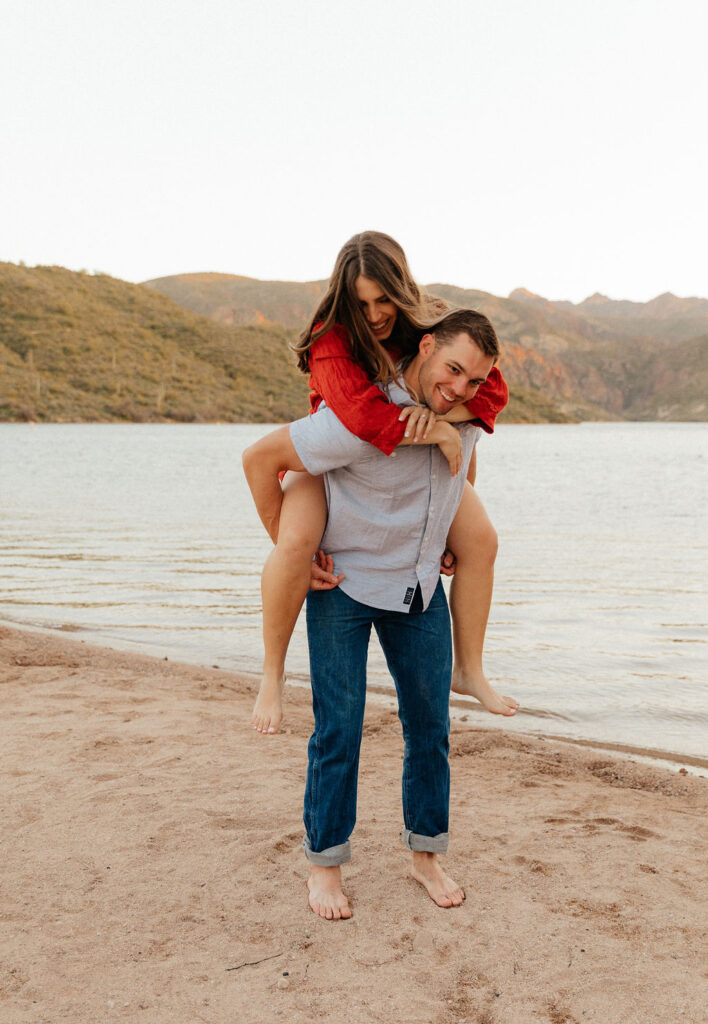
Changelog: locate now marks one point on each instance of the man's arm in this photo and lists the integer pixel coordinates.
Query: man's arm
(262, 464)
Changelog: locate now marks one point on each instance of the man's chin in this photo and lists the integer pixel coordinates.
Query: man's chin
(440, 407)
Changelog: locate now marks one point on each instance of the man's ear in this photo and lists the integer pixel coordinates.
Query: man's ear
(426, 346)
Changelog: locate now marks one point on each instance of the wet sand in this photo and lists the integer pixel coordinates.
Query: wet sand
(152, 870)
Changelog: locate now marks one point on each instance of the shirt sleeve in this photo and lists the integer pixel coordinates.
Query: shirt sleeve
(360, 405)
(323, 443)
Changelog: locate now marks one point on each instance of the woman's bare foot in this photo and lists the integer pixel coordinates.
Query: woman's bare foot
(326, 897)
(427, 870)
(477, 685)
(268, 710)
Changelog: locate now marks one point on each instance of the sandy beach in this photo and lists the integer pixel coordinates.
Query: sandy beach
(152, 869)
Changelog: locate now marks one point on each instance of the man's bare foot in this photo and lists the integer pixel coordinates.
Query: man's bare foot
(268, 710)
(427, 870)
(326, 897)
(477, 685)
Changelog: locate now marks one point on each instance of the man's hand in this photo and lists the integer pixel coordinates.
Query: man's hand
(448, 563)
(322, 576)
(421, 420)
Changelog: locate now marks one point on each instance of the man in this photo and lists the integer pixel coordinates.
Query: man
(387, 525)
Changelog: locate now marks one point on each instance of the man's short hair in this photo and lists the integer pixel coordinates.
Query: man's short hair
(470, 322)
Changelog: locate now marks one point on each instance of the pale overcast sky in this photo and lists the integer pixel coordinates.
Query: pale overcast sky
(556, 145)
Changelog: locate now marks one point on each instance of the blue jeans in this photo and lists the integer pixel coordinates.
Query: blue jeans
(418, 650)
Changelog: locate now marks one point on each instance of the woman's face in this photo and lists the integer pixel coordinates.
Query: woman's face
(376, 306)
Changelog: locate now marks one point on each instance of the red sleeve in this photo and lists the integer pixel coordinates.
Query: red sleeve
(489, 401)
(361, 406)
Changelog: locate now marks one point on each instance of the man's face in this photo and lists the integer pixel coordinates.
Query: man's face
(451, 374)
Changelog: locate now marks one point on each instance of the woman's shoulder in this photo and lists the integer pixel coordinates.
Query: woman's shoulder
(335, 342)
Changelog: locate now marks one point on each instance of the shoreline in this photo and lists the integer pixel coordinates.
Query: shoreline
(153, 866)
(459, 706)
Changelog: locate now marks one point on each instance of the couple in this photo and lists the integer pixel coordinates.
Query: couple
(387, 526)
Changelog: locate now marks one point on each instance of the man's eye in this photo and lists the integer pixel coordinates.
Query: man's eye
(453, 369)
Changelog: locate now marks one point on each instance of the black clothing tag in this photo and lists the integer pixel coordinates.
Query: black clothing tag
(409, 595)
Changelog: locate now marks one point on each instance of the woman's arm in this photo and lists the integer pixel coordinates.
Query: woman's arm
(365, 410)
(357, 403)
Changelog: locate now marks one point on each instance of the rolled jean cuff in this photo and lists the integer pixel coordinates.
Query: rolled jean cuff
(425, 844)
(329, 858)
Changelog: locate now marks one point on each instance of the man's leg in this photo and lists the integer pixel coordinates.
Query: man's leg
(338, 630)
(418, 650)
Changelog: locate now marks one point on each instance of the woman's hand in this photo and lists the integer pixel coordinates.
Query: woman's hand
(421, 421)
(440, 433)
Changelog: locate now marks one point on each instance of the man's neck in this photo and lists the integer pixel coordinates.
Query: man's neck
(411, 377)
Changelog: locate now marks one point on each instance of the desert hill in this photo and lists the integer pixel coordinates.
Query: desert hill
(77, 347)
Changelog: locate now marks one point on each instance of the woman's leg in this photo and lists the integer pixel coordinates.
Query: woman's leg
(284, 584)
(473, 541)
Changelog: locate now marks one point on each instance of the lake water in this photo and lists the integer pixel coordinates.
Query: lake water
(144, 537)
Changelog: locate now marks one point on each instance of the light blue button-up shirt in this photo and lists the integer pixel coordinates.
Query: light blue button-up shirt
(388, 515)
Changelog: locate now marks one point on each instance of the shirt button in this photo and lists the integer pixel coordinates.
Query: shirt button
(393, 455)
(434, 477)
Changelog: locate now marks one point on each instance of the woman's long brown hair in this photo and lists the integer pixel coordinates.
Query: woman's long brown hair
(378, 257)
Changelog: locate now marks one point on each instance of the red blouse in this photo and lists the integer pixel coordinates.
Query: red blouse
(363, 408)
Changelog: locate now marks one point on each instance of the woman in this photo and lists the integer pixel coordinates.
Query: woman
(372, 314)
